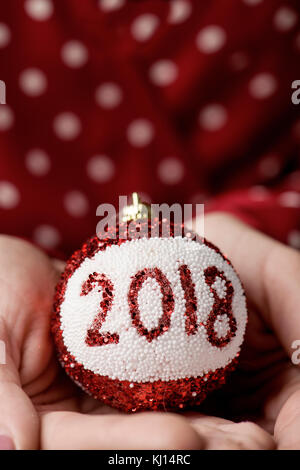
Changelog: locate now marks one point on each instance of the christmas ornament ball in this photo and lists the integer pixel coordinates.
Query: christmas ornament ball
(149, 322)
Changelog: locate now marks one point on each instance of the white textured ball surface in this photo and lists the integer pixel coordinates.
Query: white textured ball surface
(149, 311)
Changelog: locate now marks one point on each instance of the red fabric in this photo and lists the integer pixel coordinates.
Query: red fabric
(210, 83)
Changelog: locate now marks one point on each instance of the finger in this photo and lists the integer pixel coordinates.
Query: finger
(270, 272)
(287, 427)
(19, 423)
(58, 264)
(68, 430)
(221, 434)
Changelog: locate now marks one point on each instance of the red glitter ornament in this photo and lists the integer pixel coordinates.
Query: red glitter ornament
(158, 335)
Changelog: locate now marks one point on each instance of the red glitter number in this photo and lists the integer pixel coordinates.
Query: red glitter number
(188, 287)
(167, 302)
(94, 337)
(220, 307)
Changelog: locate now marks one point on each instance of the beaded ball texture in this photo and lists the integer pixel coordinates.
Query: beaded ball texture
(145, 322)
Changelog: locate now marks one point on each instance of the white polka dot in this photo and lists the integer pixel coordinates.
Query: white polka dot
(67, 126)
(100, 168)
(9, 195)
(163, 72)
(170, 171)
(252, 3)
(294, 239)
(180, 10)
(39, 10)
(76, 204)
(259, 193)
(109, 95)
(144, 26)
(290, 199)
(239, 61)
(6, 117)
(5, 35)
(33, 82)
(109, 5)
(46, 236)
(269, 167)
(213, 117)
(140, 132)
(262, 86)
(74, 54)
(211, 39)
(37, 162)
(285, 19)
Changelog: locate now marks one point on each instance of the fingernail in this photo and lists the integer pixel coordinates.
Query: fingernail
(6, 443)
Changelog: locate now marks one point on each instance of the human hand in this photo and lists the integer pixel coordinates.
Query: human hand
(39, 405)
(35, 393)
(266, 387)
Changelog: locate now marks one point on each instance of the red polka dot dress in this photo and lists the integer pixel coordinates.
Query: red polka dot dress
(183, 101)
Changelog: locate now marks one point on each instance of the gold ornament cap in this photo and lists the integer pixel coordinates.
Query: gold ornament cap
(138, 210)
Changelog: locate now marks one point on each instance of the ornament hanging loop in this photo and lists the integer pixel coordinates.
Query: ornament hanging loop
(138, 210)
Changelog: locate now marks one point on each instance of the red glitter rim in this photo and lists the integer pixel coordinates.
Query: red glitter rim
(123, 394)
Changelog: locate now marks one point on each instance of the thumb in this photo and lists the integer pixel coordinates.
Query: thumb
(19, 423)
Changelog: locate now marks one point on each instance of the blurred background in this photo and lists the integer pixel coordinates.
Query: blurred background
(181, 100)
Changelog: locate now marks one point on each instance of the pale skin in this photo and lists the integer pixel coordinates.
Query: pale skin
(41, 408)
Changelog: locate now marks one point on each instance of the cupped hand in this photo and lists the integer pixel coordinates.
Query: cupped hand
(265, 389)
(41, 408)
